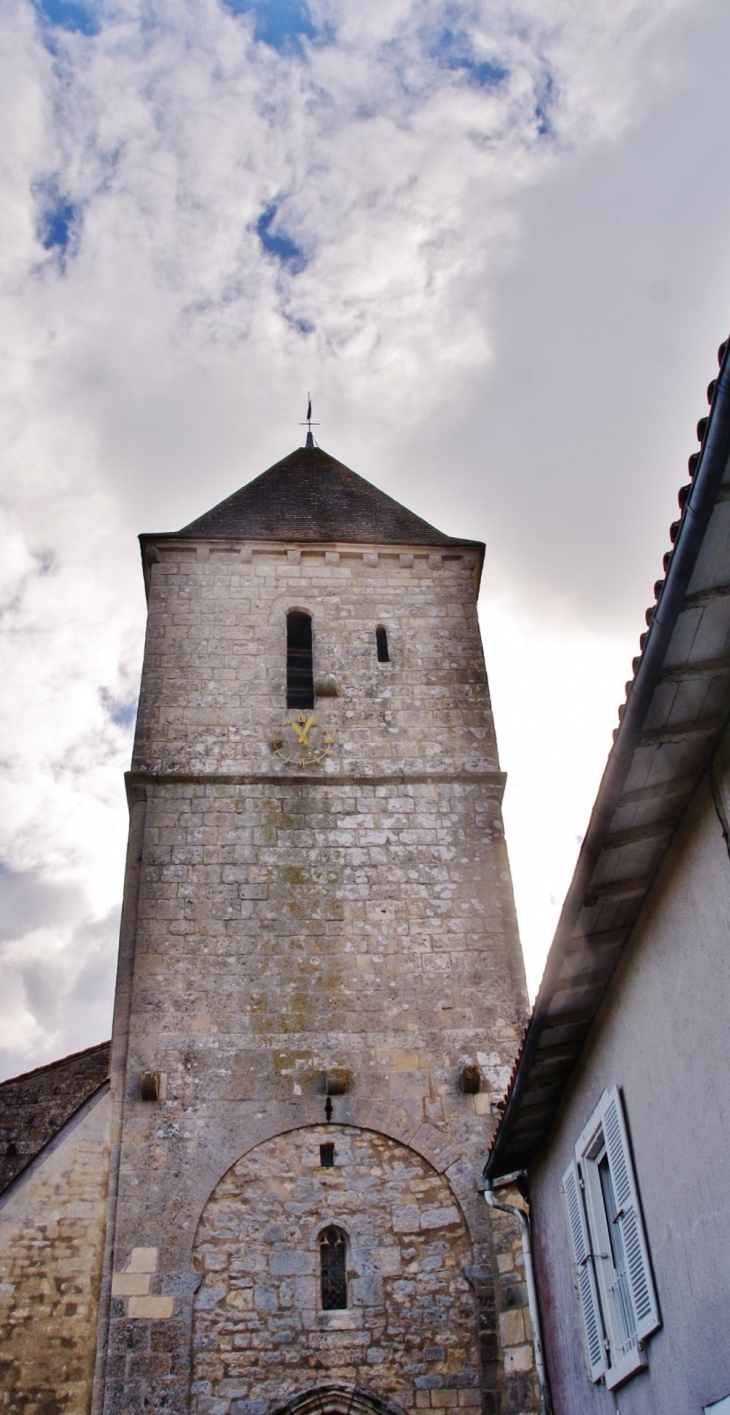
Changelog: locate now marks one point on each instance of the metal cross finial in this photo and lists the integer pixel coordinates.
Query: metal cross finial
(308, 424)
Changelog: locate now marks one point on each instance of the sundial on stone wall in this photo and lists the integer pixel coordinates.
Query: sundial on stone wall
(301, 741)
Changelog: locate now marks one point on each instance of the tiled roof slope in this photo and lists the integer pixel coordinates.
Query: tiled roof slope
(677, 708)
(33, 1107)
(309, 496)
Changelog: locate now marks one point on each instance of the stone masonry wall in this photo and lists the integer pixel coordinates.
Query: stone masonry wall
(354, 917)
(51, 1243)
(410, 1327)
(285, 929)
(217, 642)
(522, 1392)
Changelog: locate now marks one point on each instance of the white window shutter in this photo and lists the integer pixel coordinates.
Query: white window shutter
(638, 1267)
(585, 1279)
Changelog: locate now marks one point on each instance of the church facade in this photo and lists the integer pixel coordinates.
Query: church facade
(275, 1201)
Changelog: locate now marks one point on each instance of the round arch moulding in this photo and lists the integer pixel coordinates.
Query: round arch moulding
(331, 1399)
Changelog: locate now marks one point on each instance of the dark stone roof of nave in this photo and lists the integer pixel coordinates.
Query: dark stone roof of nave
(36, 1105)
(311, 497)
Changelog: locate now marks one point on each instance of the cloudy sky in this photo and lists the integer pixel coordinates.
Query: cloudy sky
(489, 235)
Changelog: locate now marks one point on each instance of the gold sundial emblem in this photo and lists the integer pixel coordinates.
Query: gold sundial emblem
(292, 741)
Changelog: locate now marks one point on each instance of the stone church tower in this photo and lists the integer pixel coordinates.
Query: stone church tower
(320, 984)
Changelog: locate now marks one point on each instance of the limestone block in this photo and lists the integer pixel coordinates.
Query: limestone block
(401, 1060)
(158, 1308)
(388, 1260)
(130, 1284)
(512, 1328)
(439, 1218)
(406, 1220)
(518, 1358)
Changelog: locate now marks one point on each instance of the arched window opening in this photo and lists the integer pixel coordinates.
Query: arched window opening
(299, 677)
(381, 639)
(333, 1269)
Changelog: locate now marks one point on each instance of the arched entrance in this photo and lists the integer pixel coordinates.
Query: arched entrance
(332, 1399)
(266, 1334)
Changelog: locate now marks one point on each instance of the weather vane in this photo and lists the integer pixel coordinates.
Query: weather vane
(308, 424)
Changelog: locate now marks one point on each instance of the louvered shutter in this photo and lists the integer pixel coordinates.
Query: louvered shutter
(638, 1268)
(585, 1280)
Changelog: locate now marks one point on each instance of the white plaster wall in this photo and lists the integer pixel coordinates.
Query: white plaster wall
(662, 1037)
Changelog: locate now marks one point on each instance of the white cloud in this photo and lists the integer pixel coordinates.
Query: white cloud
(459, 265)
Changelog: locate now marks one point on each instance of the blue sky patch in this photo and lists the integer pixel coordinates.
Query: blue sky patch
(59, 220)
(279, 23)
(72, 15)
(302, 326)
(123, 713)
(278, 244)
(543, 106)
(454, 50)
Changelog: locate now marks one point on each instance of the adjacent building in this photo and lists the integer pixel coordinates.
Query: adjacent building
(619, 1106)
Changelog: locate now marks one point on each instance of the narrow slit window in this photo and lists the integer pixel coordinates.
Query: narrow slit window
(299, 675)
(333, 1269)
(327, 1156)
(381, 639)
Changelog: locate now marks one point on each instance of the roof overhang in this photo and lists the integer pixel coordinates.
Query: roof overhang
(676, 711)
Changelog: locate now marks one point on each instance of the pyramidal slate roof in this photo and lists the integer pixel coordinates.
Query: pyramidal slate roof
(309, 496)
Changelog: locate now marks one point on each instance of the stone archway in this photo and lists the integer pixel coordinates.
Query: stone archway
(332, 1399)
(261, 1339)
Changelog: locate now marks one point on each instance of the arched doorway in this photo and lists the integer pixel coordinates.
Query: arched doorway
(265, 1332)
(332, 1399)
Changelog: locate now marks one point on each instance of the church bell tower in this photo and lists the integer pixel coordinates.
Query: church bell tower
(320, 984)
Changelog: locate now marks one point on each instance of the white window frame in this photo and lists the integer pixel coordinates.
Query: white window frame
(613, 1279)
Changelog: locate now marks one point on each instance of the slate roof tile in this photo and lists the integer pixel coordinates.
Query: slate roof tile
(34, 1106)
(310, 496)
